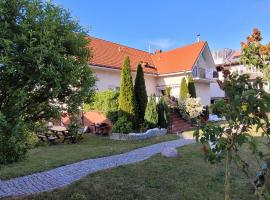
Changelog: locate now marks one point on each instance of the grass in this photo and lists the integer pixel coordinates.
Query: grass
(186, 177)
(48, 157)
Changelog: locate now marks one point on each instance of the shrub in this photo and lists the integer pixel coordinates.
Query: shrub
(33, 141)
(13, 137)
(127, 104)
(183, 90)
(163, 113)
(168, 91)
(151, 114)
(218, 107)
(122, 125)
(105, 102)
(191, 87)
(205, 113)
(140, 95)
(182, 110)
(78, 196)
(193, 107)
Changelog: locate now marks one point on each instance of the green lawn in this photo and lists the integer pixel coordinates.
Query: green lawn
(48, 157)
(186, 177)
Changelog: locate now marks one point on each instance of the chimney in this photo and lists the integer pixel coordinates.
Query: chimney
(158, 51)
(198, 37)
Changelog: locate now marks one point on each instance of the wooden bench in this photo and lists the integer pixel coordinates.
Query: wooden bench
(42, 137)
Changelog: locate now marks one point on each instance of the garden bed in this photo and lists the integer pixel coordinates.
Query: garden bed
(139, 136)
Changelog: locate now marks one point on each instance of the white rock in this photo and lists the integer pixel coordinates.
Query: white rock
(169, 152)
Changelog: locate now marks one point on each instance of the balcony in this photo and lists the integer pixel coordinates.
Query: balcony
(201, 74)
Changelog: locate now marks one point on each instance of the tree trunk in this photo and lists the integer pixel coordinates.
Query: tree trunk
(227, 175)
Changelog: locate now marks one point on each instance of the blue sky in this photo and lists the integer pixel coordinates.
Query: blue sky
(168, 24)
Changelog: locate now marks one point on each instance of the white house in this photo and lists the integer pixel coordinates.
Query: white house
(161, 69)
(230, 59)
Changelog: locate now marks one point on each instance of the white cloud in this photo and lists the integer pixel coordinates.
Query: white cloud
(162, 44)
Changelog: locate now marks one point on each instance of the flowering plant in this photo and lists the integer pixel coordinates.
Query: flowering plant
(193, 107)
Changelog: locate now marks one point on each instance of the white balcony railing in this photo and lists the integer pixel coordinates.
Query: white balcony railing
(199, 72)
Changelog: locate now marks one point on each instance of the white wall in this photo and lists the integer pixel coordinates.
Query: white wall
(110, 79)
(172, 81)
(215, 91)
(203, 91)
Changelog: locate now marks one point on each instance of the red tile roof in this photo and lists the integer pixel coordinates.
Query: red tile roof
(111, 55)
(177, 60)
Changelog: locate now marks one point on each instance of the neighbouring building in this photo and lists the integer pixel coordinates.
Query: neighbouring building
(230, 59)
(161, 69)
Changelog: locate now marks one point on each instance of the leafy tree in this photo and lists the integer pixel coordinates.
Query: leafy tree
(151, 114)
(163, 113)
(140, 94)
(246, 106)
(191, 87)
(127, 102)
(255, 54)
(43, 58)
(183, 90)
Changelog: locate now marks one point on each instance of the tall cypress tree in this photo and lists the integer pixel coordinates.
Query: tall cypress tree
(183, 90)
(191, 87)
(127, 103)
(140, 94)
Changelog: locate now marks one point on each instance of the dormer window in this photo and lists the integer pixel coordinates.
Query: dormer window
(146, 65)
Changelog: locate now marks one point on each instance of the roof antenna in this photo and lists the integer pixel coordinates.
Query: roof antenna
(149, 48)
(198, 37)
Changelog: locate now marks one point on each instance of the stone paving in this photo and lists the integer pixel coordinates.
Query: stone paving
(62, 176)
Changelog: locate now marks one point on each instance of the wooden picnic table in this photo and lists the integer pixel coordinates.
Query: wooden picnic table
(58, 128)
(55, 132)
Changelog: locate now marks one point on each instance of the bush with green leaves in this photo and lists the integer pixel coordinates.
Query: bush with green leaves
(106, 102)
(78, 196)
(13, 140)
(151, 114)
(218, 107)
(182, 110)
(163, 113)
(122, 125)
(205, 113)
(245, 107)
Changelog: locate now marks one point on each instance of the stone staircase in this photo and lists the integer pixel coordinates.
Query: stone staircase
(178, 124)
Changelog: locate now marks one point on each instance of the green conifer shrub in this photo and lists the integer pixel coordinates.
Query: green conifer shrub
(140, 95)
(163, 113)
(151, 114)
(127, 102)
(183, 90)
(191, 87)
